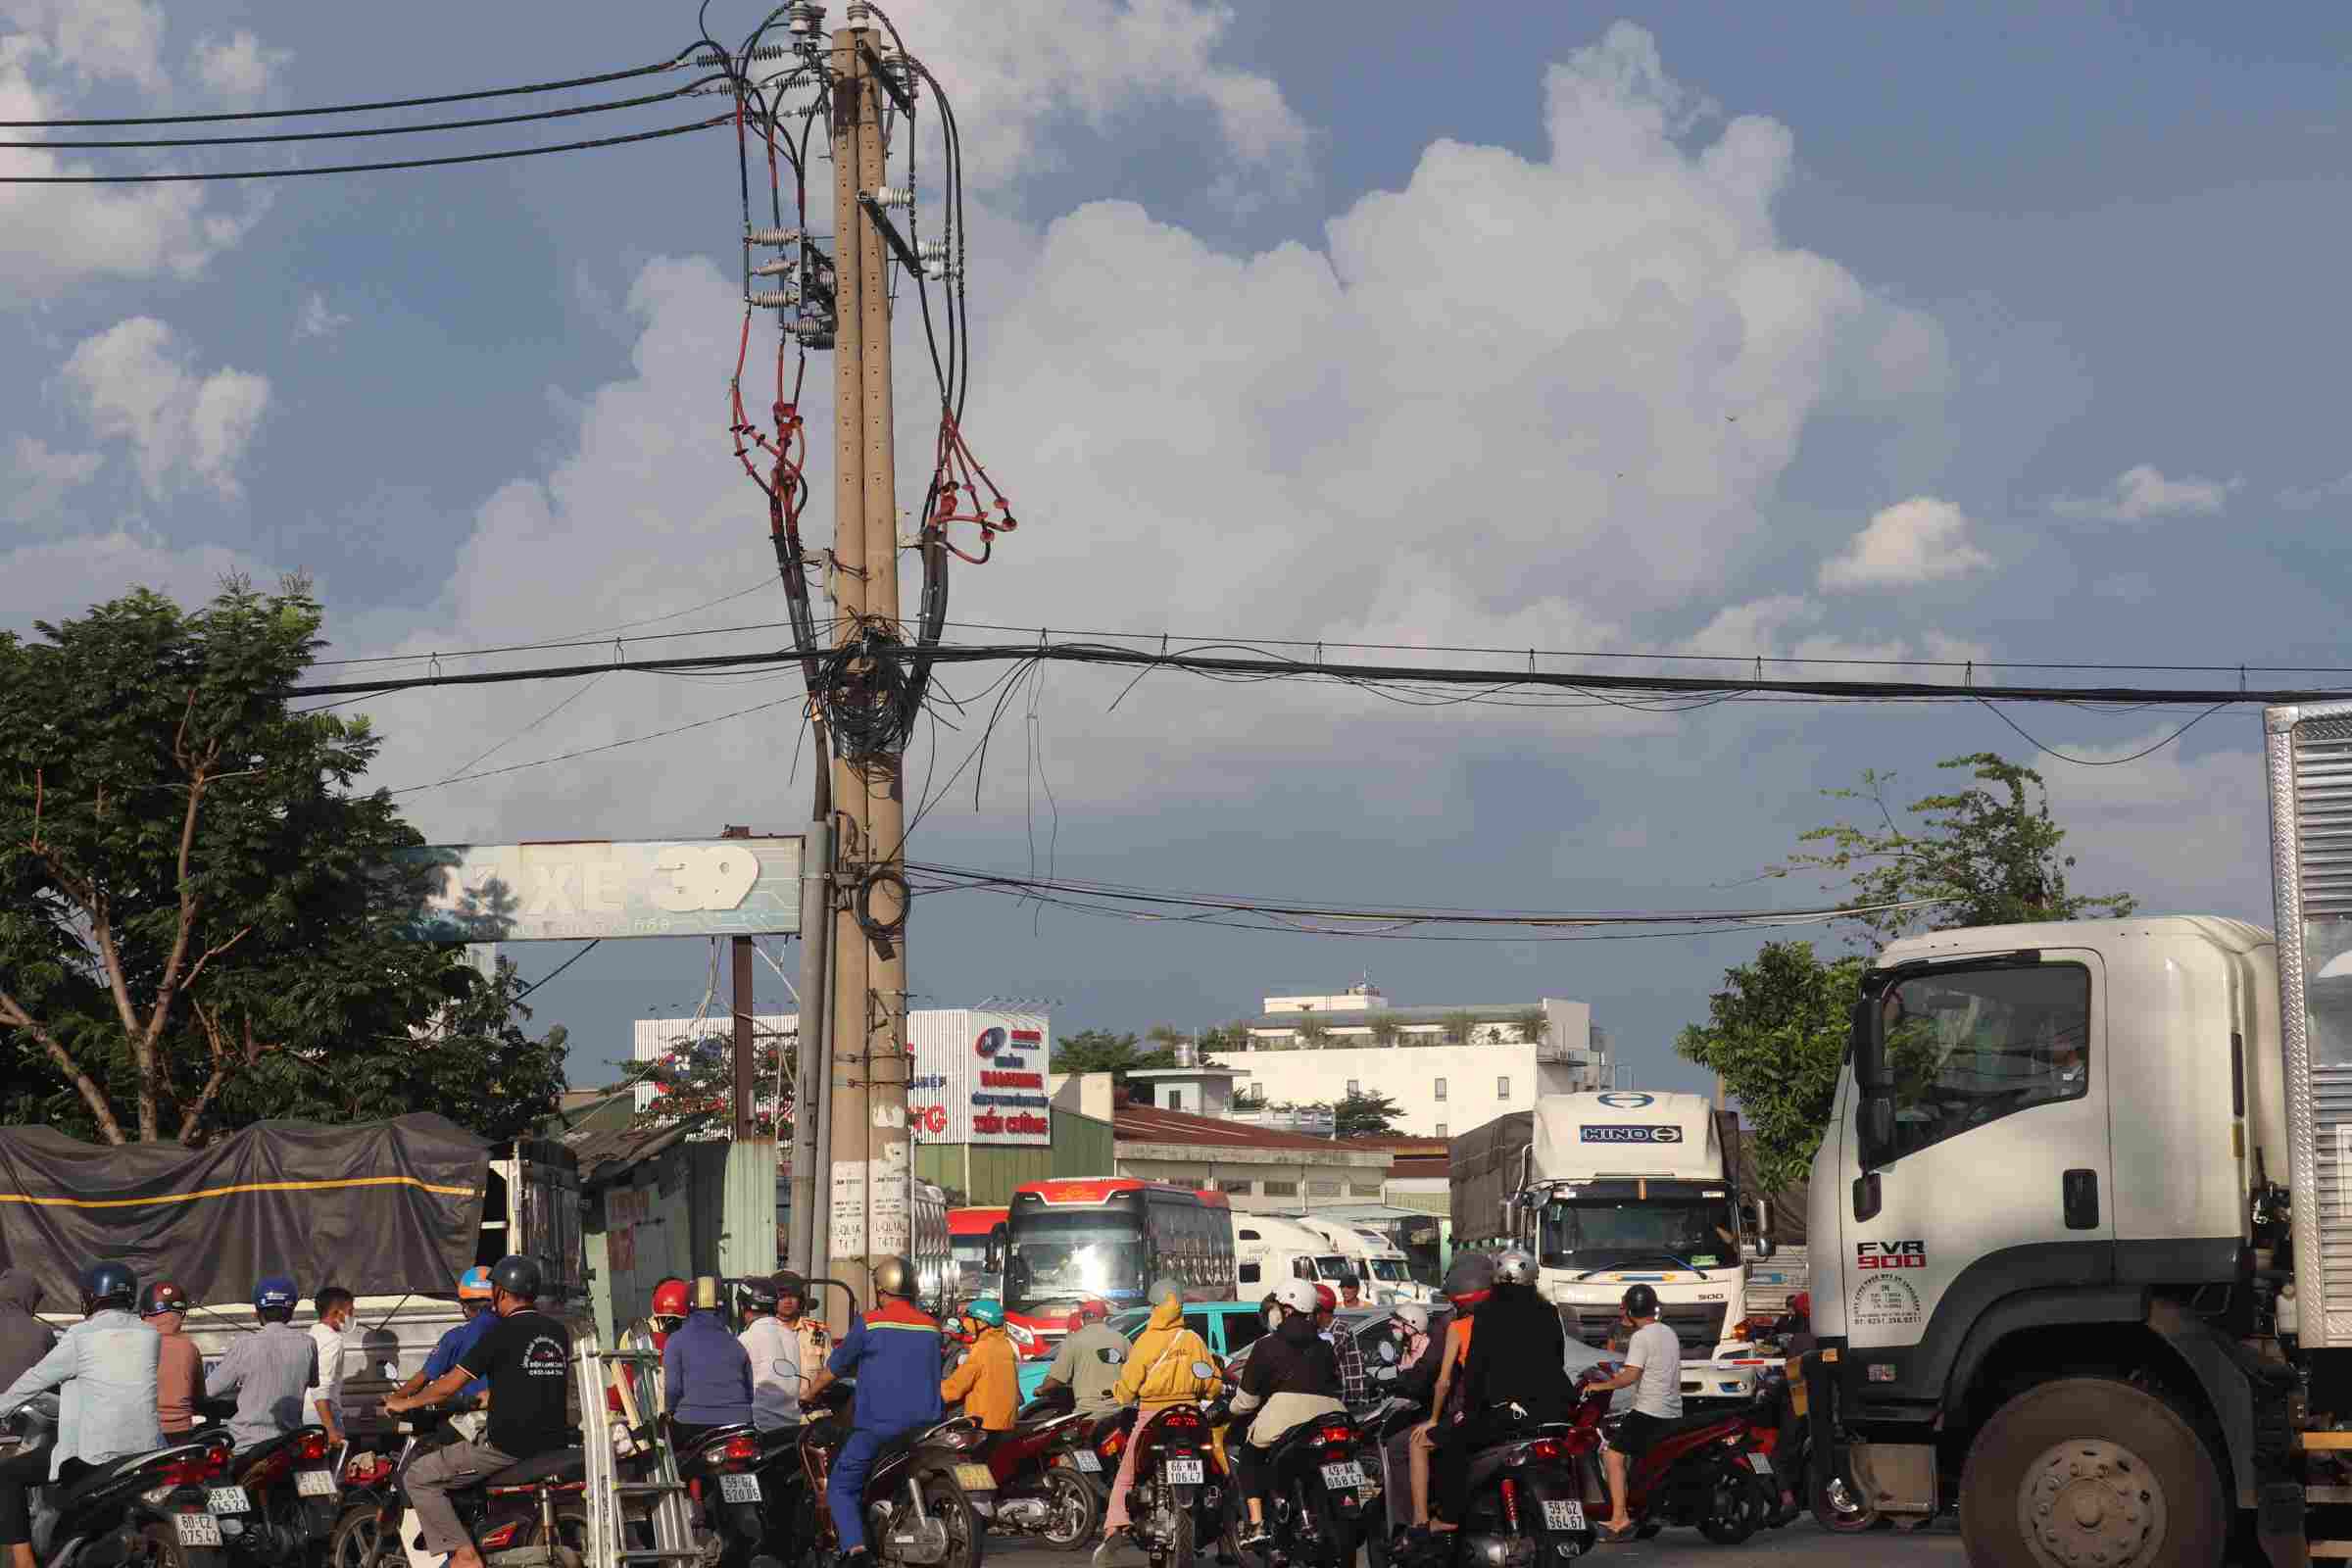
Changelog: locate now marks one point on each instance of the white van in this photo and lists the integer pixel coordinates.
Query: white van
(1268, 1250)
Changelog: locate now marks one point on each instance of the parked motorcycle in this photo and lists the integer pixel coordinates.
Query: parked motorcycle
(925, 1495)
(1702, 1470)
(152, 1510)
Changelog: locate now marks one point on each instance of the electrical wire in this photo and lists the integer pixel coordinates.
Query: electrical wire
(358, 133)
(592, 750)
(366, 168)
(559, 969)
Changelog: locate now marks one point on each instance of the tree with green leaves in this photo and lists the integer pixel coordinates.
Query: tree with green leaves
(1989, 854)
(1532, 1024)
(1775, 1035)
(1364, 1113)
(1384, 1028)
(1461, 1028)
(202, 923)
(1101, 1051)
(693, 1083)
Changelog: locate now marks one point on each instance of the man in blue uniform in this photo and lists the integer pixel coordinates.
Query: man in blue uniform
(894, 1354)
(473, 1300)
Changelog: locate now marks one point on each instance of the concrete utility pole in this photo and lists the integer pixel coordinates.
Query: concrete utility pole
(747, 1047)
(866, 1086)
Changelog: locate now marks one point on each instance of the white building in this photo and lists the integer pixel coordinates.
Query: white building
(1448, 1068)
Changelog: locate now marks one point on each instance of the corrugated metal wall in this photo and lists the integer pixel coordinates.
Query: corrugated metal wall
(1081, 1147)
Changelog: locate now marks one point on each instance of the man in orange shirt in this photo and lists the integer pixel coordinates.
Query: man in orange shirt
(989, 1383)
(179, 1365)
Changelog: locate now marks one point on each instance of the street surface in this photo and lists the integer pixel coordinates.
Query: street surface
(1800, 1543)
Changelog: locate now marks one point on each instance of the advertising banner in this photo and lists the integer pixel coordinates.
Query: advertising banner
(592, 888)
(979, 1077)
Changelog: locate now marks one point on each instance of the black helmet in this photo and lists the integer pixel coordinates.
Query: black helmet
(1641, 1302)
(1470, 1280)
(786, 1284)
(761, 1295)
(108, 1285)
(518, 1275)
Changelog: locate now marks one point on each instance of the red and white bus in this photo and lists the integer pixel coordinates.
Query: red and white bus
(977, 1236)
(1108, 1237)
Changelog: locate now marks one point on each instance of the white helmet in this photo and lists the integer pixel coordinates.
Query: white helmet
(1296, 1295)
(1412, 1314)
(1514, 1267)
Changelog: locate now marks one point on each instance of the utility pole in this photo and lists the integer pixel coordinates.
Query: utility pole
(867, 1085)
(747, 1049)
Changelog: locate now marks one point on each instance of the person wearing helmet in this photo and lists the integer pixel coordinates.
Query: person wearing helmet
(1293, 1376)
(893, 1351)
(705, 1372)
(988, 1382)
(1157, 1372)
(788, 1349)
(526, 1360)
(1089, 1360)
(1517, 1359)
(1653, 1370)
(104, 1368)
(1468, 1283)
(179, 1365)
(672, 1298)
(267, 1370)
(473, 1300)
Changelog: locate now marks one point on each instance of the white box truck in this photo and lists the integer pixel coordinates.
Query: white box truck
(2082, 1224)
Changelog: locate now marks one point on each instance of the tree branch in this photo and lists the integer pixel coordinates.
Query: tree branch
(13, 1014)
(198, 767)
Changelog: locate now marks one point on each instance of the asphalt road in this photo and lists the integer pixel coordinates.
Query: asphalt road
(1800, 1543)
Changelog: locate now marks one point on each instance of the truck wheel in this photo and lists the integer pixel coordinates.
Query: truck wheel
(2092, 1470)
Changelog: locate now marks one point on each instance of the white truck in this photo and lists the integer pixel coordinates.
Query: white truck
(1379, 1264)
(1610, 1190)
(2082, 1225)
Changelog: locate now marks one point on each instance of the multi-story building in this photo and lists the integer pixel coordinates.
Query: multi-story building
(1448, 1068)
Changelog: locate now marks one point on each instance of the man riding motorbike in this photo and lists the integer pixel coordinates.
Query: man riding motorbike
(989, 1383)
(473, 1300)
(180, 1365)
(266, 1370)
(893, 1352)
(1091, 1356)
(1293, 1376)
(1653, 1369)
(105, 1364)
(786, 1351)
(526, 1360)
(1354, 1386)
(1157, 1372)
(334, 1307)
(705, 1372)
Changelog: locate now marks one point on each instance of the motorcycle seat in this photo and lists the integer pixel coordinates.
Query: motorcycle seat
(93, 1479)
(1692, 1421)
(269, 1446)
(556, 1464)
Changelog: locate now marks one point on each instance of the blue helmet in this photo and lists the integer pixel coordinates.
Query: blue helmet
(108, 1285)
(275, 1290)
(987, 1310)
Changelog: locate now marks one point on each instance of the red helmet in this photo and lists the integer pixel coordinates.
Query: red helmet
(1327, 1300)
(1088, 1311)
(671, 1298)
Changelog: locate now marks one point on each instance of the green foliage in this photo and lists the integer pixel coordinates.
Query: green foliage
(1461, 1028)
(1774, 1033)
(197, 924)
(1991, 853)
(693, 1083)
(1364, 1113)
(1101, 1051)
(1533, 1024)
(1384, 1028)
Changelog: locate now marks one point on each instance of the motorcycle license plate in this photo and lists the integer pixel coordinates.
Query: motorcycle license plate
(1087, 1461)
(1343, 1477)
(197, 1529)
(975, 1478)
(315, 1483)
(738, 1488)
(226, 1499)
(1563, 1515)
(1760, 1464)
(1186, 1473)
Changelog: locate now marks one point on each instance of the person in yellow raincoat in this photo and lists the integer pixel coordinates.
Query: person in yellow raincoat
(989, 1383)
(1159, 1373)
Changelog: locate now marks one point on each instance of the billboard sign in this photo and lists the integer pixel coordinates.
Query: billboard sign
(593, 888)
(979, 1078)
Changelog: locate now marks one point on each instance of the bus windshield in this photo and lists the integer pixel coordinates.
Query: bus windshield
(1064, 1257)
(1604, 1234)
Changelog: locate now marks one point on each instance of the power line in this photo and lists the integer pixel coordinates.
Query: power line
(356, 132)
(367, 168)
(590, 751)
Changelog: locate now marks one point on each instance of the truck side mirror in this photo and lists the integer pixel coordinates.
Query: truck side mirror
(1874, 1126)
(1871, 1072)
(1763, 1214)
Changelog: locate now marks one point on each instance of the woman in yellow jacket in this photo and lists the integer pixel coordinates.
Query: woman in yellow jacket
(989, 1383)
(1159, 1373)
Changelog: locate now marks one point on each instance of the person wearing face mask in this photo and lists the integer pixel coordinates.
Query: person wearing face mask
(1293, 1376)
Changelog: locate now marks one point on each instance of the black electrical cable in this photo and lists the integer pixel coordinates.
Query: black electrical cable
(363, 169)
(559, 969)
(357, 132)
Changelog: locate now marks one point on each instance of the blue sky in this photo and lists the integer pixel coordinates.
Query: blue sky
(1822, 331)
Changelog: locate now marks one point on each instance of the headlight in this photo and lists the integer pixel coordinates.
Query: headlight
(1020, 1336)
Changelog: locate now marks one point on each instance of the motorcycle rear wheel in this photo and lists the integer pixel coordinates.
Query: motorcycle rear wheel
(358, 1541)
(1074, 1507)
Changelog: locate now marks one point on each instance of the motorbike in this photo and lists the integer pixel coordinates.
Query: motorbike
(283, 1503)
(529, 1515)
(1314, 1504)
(1524, 1497)
(742, 1482)
(926, 1495)
(1044, 1487)
(151, 1510)
(1178, 1497)
(1703, 1470)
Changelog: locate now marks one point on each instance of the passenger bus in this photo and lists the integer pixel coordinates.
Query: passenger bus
(978, 1237)
(1107, 1238)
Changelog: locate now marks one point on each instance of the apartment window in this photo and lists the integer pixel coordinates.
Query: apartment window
(1275, 1189)
(1233, 1184)
(1351, 1087)
(1323, 1188)
(1246, 1274)
(1363, 1188)
(1502, 1088)
(1440, 1089)
(1441, 1129)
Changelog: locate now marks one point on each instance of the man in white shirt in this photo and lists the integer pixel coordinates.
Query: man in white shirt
(325, 1398)
(787, 1350)
(1653, 1370)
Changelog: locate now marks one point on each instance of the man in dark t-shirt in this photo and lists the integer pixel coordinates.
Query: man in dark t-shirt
(525, 1359)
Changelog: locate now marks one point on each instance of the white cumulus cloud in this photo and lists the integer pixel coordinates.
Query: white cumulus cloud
(2143, 492)
(317, 318)
(1917, 541)
(133, 382)
(34, 480)
(121, 39)
(240, 66)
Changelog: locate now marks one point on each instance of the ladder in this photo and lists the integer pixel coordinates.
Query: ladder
(633, 1372)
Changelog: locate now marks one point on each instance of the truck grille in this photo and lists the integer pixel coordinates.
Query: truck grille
(1697, 1324)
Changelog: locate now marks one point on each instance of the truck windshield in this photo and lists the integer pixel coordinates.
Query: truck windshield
(1332, 1266)
(1391, 1269)
(1066, 1257)
(1606, 1234)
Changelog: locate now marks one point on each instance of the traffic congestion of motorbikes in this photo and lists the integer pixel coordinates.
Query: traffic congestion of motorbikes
(1470, 1433)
